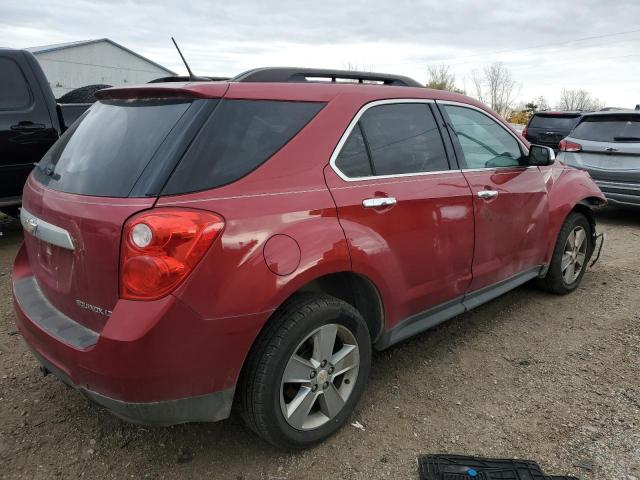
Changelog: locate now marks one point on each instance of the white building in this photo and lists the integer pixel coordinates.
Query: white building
(103, 61)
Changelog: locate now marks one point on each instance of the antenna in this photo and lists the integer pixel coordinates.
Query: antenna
(192, 77)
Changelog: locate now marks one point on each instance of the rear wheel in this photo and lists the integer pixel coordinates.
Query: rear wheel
(306, 372)
(570, 256)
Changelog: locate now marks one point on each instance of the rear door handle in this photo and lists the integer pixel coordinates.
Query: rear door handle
(27, 127)
(379, 202)
(488, 193)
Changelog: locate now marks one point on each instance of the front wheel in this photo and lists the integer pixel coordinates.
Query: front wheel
(570, 256)
(306, 372)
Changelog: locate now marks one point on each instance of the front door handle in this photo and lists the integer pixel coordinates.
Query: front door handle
(488, 193)
(28, 127)
(379, 202)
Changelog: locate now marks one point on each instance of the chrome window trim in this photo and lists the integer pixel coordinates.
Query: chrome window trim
(497, 169)
(45, 231)
(353, 123)
(473, 107)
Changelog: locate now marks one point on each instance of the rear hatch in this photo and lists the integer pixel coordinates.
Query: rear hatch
(106, 167)
(610, 147)
(549, 128)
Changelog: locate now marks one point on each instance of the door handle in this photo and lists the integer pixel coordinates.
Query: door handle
(379, 202)
(488, 193)
(27, 127)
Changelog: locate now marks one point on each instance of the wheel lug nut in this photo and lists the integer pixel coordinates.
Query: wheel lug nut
(324, 362)
(313, 374)
(314, 388)
(330, 369)
(325, 384)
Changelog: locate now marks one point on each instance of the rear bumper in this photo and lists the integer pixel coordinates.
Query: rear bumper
(153, 362)
(204, 408)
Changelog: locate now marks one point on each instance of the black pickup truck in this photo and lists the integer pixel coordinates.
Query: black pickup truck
(31, 120)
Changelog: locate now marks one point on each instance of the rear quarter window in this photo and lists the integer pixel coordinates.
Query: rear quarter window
(239, 136)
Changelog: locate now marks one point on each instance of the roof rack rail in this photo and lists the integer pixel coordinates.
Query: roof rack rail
(293, 75)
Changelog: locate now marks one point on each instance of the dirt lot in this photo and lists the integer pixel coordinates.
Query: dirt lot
(531, 375)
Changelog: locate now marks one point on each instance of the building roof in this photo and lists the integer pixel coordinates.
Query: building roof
(62, 46)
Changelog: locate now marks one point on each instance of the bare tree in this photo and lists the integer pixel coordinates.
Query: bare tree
(542, 103)
(441, 78)
(578, 99)
(496, 87)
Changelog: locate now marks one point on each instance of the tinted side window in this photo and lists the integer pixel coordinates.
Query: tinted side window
(239, 136)
(484, 142)
(403, 138)
(14, 90)
(353, 160)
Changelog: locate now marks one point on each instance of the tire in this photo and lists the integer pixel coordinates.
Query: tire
(557, 280)
(265, 398)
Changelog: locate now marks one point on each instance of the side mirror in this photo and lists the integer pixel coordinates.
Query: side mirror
(541, 156)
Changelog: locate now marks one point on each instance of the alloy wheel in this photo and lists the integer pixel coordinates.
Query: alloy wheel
(319, 377)
(574, 255)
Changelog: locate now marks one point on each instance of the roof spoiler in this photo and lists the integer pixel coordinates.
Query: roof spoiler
(300, 75)
(160, 91)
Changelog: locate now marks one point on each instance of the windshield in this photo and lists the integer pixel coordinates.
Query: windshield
(609, 128)
(106, 150)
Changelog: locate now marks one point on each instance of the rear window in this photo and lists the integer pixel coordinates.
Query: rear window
(239, 136)
(104, 153)
(606, 128)
(560, 122)
(14, 91)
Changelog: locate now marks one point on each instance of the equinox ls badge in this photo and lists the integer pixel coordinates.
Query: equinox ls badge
(93, 308)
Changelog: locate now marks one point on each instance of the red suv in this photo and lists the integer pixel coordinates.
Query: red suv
(193, 246)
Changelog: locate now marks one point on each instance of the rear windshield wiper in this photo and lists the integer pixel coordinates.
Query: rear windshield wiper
(48, 170)
(626, 139)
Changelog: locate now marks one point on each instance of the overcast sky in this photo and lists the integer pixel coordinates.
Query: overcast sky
(546, 44)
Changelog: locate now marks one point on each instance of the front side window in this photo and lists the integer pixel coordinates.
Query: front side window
(394, 139)
(485, 144)
(14, 91)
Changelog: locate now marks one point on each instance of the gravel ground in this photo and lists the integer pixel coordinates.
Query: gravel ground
(529, 375)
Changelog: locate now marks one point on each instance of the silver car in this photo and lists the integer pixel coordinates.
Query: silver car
(607, 145)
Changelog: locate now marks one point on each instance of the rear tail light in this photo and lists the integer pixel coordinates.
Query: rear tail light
(161, 247)
(567, 146)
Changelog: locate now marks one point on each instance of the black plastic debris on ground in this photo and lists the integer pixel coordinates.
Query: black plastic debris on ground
(458, 467)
